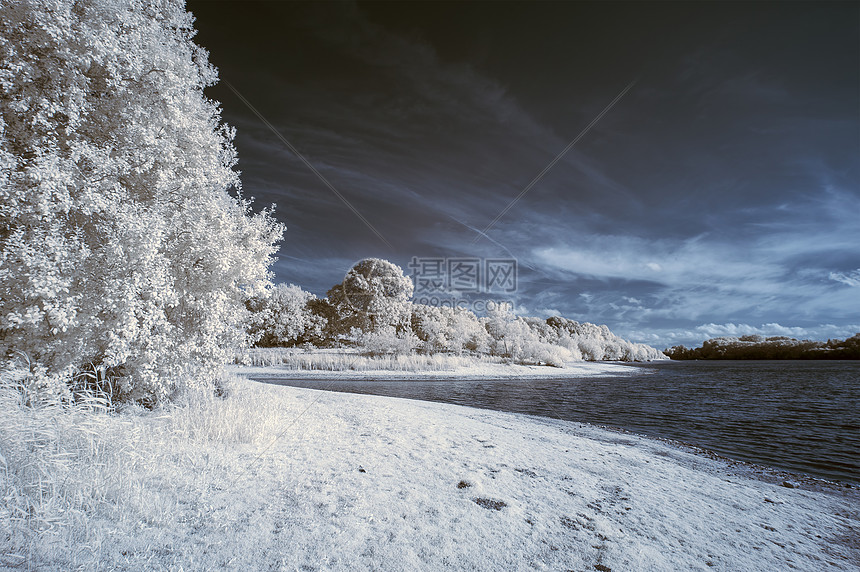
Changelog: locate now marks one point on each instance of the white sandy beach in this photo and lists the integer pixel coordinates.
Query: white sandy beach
(364, 482)
(333, 481)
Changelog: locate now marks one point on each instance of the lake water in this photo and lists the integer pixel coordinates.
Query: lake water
(801, 416)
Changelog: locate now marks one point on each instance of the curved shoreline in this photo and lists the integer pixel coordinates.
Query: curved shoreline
(759, 471)
(600, 403)
(480, 371)
(485, 489)
(283, 478)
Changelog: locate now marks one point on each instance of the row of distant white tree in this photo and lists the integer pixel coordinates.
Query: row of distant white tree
(371, 308)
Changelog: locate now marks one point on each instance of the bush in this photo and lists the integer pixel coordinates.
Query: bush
(386, 340)
(284, 316)
(442, 329)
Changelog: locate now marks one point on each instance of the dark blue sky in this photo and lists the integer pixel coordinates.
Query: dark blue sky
(719, 196)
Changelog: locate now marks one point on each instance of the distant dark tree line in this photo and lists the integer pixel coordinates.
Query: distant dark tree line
(777, 347)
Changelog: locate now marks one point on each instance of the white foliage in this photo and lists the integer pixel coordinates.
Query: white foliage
(556, 340)
(513, 337)
(387, 340)
(374, 298)
(374, 294)
(448, 329)
(282, 316)
(119, 243)
(595, 343)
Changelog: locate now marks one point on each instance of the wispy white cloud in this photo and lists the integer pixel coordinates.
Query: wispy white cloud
(778, 274)
(847, 278)
(691, 262)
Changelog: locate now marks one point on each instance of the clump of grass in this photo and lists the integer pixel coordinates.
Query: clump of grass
(75, 477)
(490, 504)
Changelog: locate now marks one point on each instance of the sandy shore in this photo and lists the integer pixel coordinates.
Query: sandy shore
(282, 478)
(367, 482)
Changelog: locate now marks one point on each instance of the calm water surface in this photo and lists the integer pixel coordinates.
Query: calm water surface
(802, 416)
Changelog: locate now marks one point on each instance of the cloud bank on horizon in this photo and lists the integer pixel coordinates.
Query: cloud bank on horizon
(719, 196)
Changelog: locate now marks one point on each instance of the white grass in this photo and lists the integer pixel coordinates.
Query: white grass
(76, 483)
(277, 478)
(353, 360)
(351, 364)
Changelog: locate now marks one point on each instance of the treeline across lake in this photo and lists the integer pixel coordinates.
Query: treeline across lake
(372, 311)
(776, 347)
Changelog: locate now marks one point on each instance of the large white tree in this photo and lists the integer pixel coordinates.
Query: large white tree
(120, 244)
(374, 294)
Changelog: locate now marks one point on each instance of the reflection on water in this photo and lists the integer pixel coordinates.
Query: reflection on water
(802, 416)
